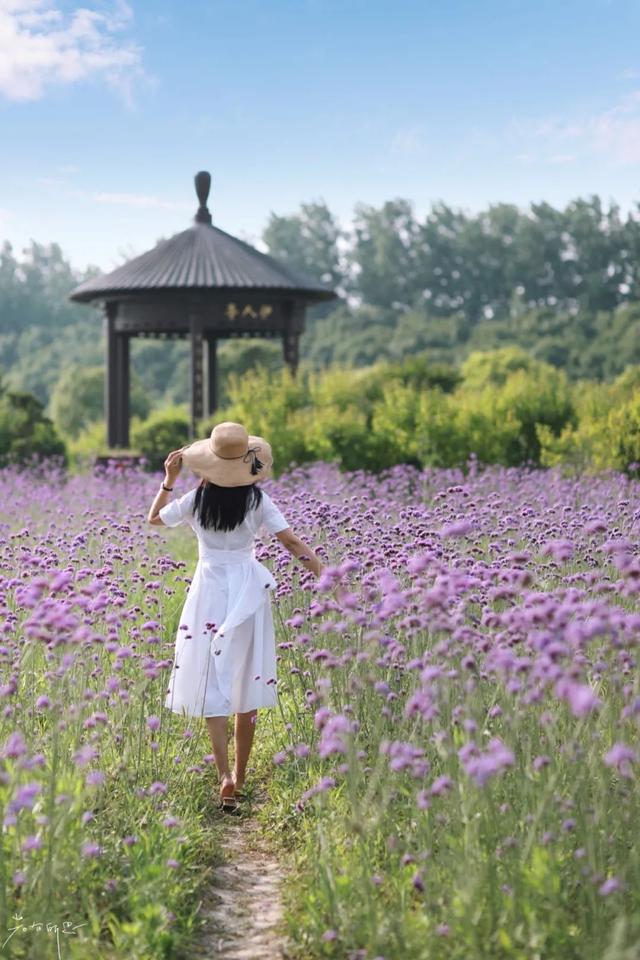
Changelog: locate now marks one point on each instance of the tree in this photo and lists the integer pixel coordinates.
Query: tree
(78, 399)
(596, 242)
(349, 336)
(384, 255)
(26, 434)
(309, 242)
(560, 283)
(34, 291)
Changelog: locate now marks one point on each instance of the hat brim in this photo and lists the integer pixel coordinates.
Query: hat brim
(200, 458)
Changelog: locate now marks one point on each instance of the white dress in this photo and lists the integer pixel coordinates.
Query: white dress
(225, 656)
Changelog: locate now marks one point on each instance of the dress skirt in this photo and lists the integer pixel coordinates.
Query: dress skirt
(225, 657)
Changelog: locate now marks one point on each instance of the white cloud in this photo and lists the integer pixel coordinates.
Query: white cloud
(409, 142)
(141, 200)
(64, 187)
(51, 181)
(613, 133)
(40, 45)
(563, 158)
(616, 132)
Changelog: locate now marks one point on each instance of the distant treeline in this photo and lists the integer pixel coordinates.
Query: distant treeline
(478, 266)
(563, 284)
(555, 282)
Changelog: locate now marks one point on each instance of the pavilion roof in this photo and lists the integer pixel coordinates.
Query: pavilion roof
(203, 258)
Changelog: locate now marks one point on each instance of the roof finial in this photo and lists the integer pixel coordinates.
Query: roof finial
(203, 185)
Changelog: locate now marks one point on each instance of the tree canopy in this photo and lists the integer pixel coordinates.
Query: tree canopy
(564, 284)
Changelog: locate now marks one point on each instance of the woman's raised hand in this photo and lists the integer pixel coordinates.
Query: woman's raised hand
(172, 466)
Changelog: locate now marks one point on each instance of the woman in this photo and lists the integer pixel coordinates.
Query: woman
(225, 659)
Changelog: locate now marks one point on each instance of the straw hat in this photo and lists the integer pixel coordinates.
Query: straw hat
(229, 457)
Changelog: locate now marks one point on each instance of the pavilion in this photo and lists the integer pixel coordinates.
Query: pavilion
(203, 284)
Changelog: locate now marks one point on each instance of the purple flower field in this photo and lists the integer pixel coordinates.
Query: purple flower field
(454, 764)
(461, 732)
(101, 795)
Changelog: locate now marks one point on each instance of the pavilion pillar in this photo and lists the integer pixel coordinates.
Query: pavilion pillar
(197, 385)
(212, 374)
(291, 336)
(291, 350)
(116, 395)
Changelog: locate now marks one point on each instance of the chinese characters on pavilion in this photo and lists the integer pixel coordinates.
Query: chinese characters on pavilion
(233, 311)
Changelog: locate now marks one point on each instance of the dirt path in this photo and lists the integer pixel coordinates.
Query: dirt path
(242, 906)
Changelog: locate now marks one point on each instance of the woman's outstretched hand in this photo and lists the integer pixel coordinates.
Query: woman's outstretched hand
(172, 466)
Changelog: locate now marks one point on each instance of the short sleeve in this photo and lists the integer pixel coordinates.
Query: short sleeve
(271, 516)
(178, 511)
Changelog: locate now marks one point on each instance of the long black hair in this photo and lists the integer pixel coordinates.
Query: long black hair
(224, 508)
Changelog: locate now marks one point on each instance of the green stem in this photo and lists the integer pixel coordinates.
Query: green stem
(51, 824)
(140, 730)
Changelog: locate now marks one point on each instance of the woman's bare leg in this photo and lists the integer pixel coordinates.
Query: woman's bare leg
(217, 727)
(245, 726)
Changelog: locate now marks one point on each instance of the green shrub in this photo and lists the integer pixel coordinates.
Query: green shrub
(494, 367)
(343, 387)
(239, 355)
(89, 443)
(394, 424)
(507, 408)
(518, 394)
(493, 434)
(275, 406)
(623, 433)
(92, 443)
(344, 436)
(626, 384)
(163, 431)
(440, 440)
(26, 434)
(576, 450)
(421, 373)
(606, 437)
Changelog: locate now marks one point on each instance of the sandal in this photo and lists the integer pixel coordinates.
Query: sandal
(228, 802)
(240, 794)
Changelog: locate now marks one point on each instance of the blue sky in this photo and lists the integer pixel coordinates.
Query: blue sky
(108, 108)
